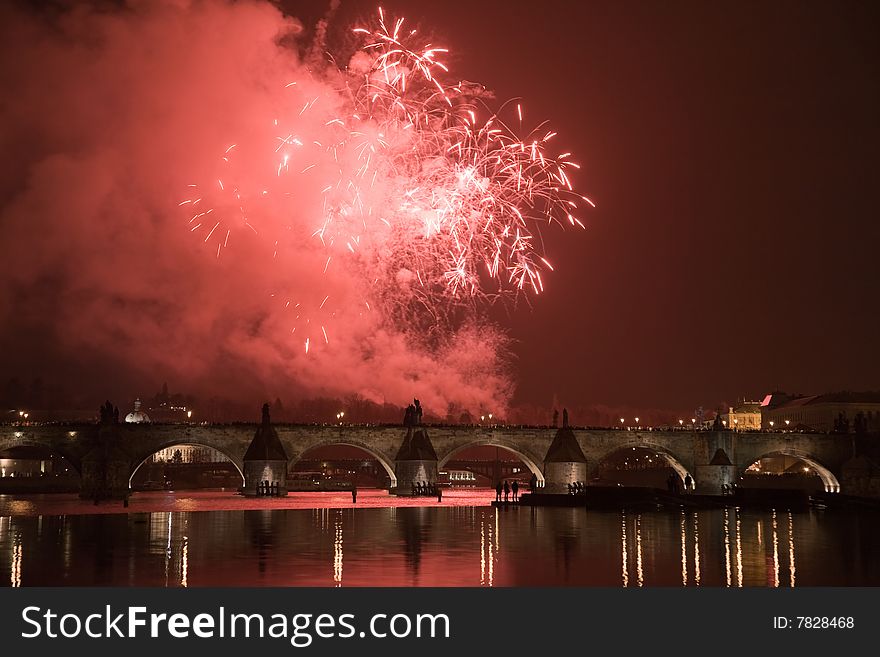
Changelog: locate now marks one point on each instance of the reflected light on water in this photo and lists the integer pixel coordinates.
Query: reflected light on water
(20, 508)
(184, 563)
(623, 549)
(482, 555)
(641, 577)
(727, 545)
(791, 567)
(488, 549)
(168, 550)
(739, 550)
(337, 549)
(696, 549)
(435, 546)
(497, 533)
(684, 563)
(491, 581)
(15, 574)
(775, 552)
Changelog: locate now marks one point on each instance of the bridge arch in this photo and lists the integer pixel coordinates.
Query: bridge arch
(672, 459)
(530, 462)
(383, 460)
(20, 439)
(155, 449)
(829, 479)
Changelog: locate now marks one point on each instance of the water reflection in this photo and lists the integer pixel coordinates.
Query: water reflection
(696, 549)
(775, 553)
(337, 548)
(184, 562)
(683, 536)
(415, 526)
(487, 553)
(727, 546)
(436, 546)
(739, 551)
(623, 548)
(15, 575)
(639, 571)
(261, 528)
(791, 567)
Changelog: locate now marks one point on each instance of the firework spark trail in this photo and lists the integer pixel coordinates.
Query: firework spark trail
(434, 207)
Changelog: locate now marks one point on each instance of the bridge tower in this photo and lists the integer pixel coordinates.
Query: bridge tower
(265, 460)
(565, 462)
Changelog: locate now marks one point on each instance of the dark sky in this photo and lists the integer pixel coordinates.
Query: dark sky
(730, 148)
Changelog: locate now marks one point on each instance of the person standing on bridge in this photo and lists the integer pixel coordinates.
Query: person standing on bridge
(514, 487)
(506, 490)
(354, 494)
(497, 492)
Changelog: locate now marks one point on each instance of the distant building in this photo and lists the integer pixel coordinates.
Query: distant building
(744, 417)
(188, 454)
(137, 415)
(837, 411)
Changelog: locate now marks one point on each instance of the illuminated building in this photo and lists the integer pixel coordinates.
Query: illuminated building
(745, 417)
(822, 412)
(137, 415)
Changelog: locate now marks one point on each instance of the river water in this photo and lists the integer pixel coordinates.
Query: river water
(219, 539)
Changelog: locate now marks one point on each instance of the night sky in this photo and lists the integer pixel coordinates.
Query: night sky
(731, 152)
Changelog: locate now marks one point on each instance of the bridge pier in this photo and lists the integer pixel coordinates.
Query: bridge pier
(711, 479)
(416, 461)
(105, 467)
(565, 462)
(720, 472)
(265, 462)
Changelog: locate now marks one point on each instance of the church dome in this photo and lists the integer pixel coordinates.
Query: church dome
(137, 415)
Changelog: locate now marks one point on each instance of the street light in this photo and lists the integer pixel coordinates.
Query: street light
(681, 423)
(189, 414)
(771, 424)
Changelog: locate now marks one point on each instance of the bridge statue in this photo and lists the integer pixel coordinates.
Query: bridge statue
(109, 413)
(412, 417)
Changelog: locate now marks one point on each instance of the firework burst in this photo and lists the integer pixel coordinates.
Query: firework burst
(433, 210)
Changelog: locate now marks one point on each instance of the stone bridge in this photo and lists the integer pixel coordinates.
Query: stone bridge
(712, 458)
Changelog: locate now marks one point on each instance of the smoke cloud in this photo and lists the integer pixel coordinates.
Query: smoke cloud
(111, 113)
